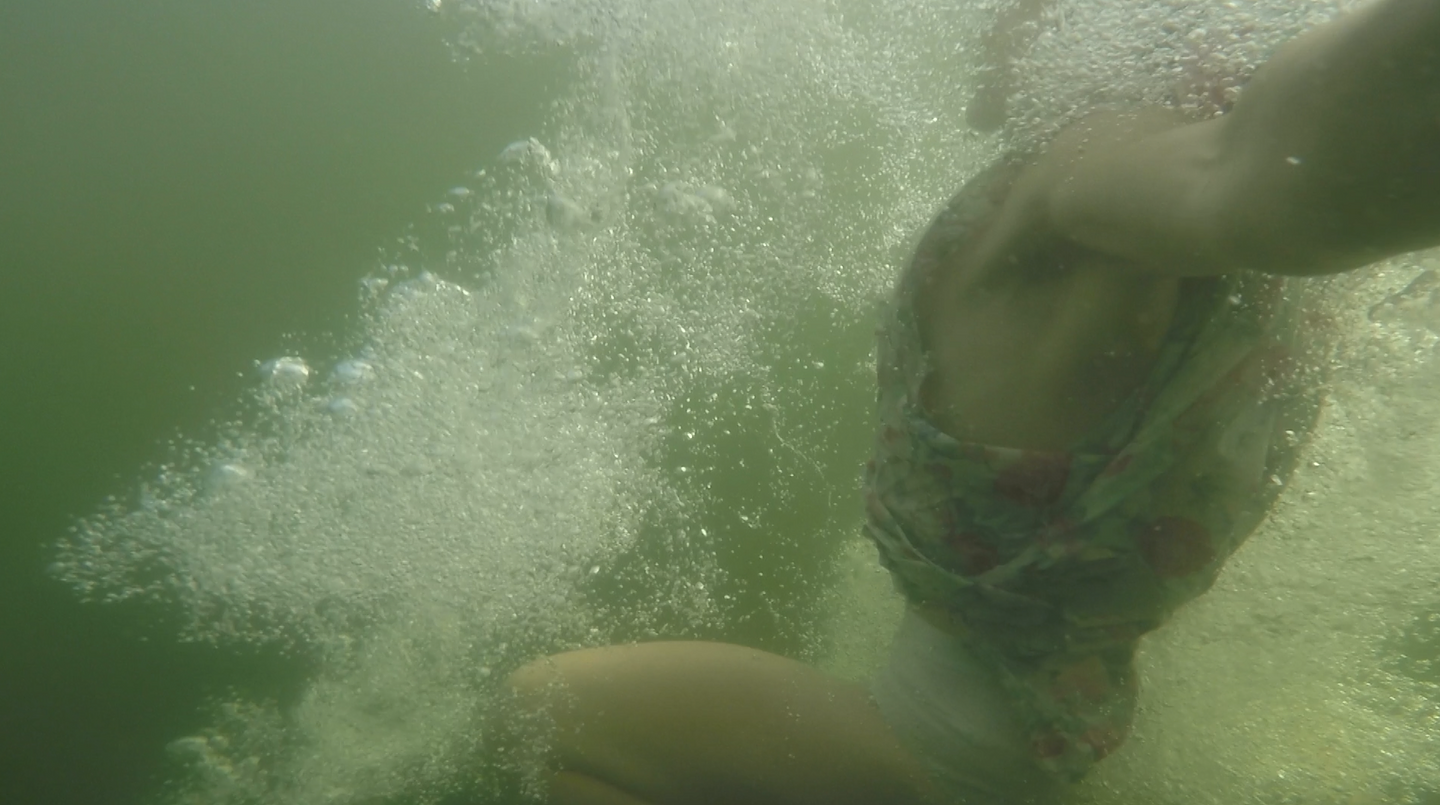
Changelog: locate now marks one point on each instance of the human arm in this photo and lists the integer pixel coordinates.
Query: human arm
(1329, 161)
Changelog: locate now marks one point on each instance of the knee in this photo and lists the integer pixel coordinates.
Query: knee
(552, 684)
(583, 673)
(550, 696)
(523, 734)
(533, 678)
(531, 699)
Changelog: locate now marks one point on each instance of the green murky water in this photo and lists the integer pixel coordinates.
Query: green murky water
(515, 327)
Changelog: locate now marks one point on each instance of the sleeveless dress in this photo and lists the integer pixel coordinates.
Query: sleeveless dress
(1052, 564)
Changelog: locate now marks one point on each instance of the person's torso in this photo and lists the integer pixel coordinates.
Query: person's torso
(1040, 358)
(1088, 446)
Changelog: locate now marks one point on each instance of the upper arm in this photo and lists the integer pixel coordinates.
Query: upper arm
(1140, 188)
(1331, 159)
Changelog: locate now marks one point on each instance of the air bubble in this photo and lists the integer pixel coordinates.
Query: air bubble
(528, 154)
(564, 214)
(287, 372)
(421, 284)
(227, 475)
(372, 286)
(353, 371)
(717, 197)
(676, 201)
(193, 749)
(342, 407)
(523, 332)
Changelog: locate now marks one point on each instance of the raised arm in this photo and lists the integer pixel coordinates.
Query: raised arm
(1329, 161)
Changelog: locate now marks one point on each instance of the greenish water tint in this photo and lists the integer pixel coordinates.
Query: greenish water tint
(609, 383)
(184, 185)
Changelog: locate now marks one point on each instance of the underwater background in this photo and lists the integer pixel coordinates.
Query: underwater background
(357, 352)
(183, 188)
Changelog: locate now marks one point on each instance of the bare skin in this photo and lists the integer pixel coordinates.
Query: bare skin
(1330, 161)
(690, 722)
(1053, 318)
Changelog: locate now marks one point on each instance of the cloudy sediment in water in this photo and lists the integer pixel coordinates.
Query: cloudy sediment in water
(640, 337)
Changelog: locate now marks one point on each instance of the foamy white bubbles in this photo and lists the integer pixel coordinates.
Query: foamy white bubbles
(429, 526)
(1194, 56)
(440, 501)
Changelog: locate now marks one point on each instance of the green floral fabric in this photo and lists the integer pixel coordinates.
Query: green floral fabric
(1054, 563)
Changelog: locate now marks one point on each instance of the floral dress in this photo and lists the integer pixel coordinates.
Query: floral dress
(1052, 564)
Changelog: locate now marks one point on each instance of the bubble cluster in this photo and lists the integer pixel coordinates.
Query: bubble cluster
(1194, 56)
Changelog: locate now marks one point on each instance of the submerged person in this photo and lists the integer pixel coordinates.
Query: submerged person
(1091, 391)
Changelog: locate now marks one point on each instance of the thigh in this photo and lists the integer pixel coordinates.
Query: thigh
(692, 722)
